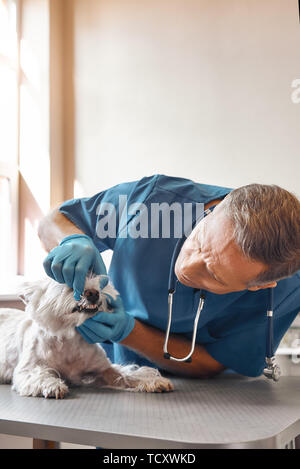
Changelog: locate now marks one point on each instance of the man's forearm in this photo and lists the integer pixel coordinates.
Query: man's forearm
(54, 227)
(148, 341)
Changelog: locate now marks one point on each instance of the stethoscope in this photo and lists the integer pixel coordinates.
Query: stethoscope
(271, 371)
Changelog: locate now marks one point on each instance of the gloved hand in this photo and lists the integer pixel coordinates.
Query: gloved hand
(113, 326)
(70, 262)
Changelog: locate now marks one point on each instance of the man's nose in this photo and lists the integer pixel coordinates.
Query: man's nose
(91, 295)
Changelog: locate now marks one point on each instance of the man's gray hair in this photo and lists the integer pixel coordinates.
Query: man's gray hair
(266, 220)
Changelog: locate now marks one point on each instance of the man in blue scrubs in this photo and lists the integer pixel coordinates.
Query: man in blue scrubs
(250, 242)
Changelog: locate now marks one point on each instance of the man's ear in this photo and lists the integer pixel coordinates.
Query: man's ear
(261, 287)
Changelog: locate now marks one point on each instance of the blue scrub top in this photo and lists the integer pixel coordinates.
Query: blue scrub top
(232, 327)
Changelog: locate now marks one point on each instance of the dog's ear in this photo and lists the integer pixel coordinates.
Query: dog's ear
(27, 289)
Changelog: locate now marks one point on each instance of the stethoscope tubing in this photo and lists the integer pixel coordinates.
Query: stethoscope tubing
(171, 290)
(270, 332)
(188, 357)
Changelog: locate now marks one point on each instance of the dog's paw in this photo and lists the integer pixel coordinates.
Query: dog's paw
(146, 379)
(157, 385)
(136, 379)
(49, 387)
(163, 385)
(56, 389)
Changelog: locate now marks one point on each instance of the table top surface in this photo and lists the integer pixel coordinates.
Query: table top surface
(225, 412)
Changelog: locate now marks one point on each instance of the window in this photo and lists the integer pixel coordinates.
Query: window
(24, 135)
(6, 225)
(36, 148)
(9, 78)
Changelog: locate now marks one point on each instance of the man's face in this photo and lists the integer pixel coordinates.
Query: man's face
(211, 260)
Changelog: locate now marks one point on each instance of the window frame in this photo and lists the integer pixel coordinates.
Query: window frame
(60, 125)
(10, 170)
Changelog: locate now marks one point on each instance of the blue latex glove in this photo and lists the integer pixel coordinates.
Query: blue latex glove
(113, 326)
(71, 261)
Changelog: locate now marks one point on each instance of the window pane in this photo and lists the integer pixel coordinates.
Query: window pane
(8, 81)
(5, 230)
(8, 30)
(8, 114)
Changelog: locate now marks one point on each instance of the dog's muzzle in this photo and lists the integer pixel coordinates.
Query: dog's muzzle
(89, 302)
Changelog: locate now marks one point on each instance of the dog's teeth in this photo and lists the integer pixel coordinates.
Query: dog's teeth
(82, 306)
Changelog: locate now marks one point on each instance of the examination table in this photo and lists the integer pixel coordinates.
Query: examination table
(229, 411)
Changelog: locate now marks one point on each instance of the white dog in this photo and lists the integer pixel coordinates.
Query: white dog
(42, 354)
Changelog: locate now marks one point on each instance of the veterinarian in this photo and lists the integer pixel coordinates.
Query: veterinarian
(249, 243)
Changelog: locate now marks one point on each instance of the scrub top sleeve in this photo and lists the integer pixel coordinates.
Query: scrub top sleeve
(245, 351)
(99, 216)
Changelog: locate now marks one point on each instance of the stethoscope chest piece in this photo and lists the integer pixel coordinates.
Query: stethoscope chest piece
(272, 370)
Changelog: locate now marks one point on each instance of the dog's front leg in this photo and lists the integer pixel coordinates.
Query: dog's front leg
(137, 379)
(38, 380)
(102, 373)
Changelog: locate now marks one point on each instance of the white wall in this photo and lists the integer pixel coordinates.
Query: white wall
(198, 89)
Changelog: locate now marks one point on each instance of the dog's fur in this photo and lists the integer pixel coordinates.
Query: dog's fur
(42, 354)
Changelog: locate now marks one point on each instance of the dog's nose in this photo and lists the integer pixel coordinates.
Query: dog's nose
(91, 295)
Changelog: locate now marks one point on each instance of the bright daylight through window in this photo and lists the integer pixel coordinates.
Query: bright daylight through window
(8, 135)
